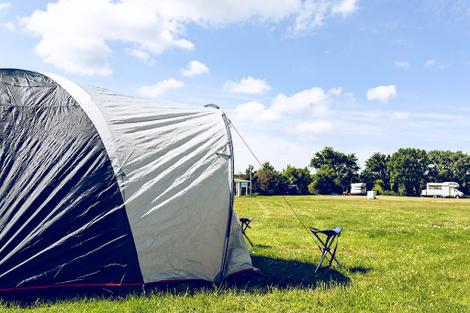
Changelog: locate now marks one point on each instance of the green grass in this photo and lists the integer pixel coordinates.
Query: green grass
(399, 254)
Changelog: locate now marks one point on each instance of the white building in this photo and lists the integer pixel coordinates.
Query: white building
(242, 185)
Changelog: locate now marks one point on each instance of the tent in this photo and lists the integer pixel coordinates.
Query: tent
(101, 189)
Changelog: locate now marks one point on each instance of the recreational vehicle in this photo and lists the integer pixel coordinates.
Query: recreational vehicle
(444, 190)
(358, 189)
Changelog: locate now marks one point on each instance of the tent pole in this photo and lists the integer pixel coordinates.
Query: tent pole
(230, 208)
(221, 276)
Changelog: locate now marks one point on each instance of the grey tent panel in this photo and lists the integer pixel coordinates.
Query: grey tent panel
(171, 168)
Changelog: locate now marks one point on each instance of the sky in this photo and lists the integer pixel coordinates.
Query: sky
(293, 76)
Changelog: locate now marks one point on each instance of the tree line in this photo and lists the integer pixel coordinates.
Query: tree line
(404, 172)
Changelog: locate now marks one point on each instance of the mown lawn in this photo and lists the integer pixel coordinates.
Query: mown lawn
(399, 254)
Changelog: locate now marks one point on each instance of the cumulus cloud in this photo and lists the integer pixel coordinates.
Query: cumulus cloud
(314, 128)
(313, 13)
(255, 111)
(335, 91)
(402, 64)
(247, 85)
(350, 96)
(151, 27)
(430, 63)
(160, 88)
(345, 7)
(142, 55)
(9, 26)
(195, 68)
(4, 6)
(382, 93)
(75, 34)
(215, 12)
(314, 100)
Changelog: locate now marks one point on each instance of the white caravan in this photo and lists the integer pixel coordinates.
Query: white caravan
(444, 190)
(358, 189)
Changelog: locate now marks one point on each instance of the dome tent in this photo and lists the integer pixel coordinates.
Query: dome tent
(101, 189)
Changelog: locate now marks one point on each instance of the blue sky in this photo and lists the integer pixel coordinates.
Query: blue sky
(293, 75)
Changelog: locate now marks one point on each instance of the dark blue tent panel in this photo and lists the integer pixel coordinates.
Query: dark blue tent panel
(62, 218)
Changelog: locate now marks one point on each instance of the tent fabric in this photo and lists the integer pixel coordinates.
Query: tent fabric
(62, 219)
(238, 258)
(98, 187)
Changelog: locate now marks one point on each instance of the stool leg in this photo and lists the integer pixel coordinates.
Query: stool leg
(333, 255)
(321, 261)
(329, 250)
(326, 249)
(249, 240)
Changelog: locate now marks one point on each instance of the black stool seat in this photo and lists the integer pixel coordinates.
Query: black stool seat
(330, 232)
(331, 236)
(245, 225)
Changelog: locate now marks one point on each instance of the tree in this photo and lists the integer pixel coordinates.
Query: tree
(439, 166)
(269, 181)
(324, 181)
(461, 170)
(344, 166)
(300, 177)
(376, 169)
(449, 166)
(250, 172)
(408, 168)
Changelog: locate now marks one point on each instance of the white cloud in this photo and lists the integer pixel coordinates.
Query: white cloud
(402, 64)
(5, 6)
(401, 116)
(216, 12)
(142, 55)
(255, 111)
(314, 128)
(247, 85)
(351, 96)
(9, 25)
(313, 13)
(314, 100)
(430, 63)
(345, 7)
(75, 35)
(382, 93)
(160, 88)
(195, 68)
(335, 91)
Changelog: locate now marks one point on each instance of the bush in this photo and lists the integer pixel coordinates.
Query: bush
(389, 193)
(312, 190)
(269, 181)
(379, 186)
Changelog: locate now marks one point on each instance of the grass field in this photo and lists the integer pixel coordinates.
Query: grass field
(399, 254)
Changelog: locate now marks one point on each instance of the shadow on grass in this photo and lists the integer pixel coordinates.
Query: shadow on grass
(263, 246)
(359, 269)
(275, 273)
(282, 274)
